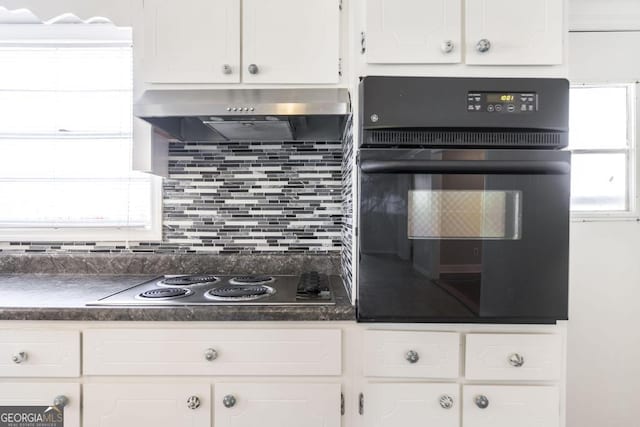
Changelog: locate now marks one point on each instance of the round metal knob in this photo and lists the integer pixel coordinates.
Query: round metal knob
(447, 46)
(481, 401)
(210, 354)
(446, 401)
(226, 69)
(20, 357)
(229, 401)
(193, 402)
(59, 402)
(516, 360)
(253, 69)
(412, 356)
(483, 46)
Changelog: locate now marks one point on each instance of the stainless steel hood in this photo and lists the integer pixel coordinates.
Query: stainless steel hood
(247, 114)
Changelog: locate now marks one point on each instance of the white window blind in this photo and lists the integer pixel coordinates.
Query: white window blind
(65, 138)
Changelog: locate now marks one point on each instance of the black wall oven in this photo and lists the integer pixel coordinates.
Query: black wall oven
(463, 219)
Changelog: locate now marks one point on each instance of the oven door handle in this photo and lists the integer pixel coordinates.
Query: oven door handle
(485, 167)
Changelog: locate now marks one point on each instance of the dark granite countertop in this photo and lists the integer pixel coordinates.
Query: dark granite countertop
(63, 297)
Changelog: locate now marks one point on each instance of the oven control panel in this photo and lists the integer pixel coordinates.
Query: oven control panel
(502, 102)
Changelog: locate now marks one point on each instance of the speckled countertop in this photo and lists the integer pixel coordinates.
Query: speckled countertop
(64, 297)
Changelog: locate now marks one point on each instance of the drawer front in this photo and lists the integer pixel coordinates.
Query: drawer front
(157, 405)
(43, 395)
(535, 357)
(412, 404)
(411, 354)
(507, 406)
(37, 353)
(213, 352)
(277, 405)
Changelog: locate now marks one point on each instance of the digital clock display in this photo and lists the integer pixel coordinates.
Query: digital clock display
(502, 102)
(496, 98)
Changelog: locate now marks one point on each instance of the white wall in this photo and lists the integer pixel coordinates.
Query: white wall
(593, 15)
(603, 386)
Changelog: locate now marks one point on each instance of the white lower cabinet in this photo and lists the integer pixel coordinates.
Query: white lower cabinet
(277, 405)
(411, 404)
(46, 395)
(508, 406)
(148, 404)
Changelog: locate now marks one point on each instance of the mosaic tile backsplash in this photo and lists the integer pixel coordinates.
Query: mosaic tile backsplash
(241, 198)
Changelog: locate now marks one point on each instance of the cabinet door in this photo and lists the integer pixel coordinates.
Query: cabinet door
(508, 406)
(291, 41)
(43, 395)
(192, 41)
(157, 405)
(277, 405)
(411, 404)
(413, 31)
(520, 32)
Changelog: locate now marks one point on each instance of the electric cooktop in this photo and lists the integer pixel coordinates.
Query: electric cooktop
(309, 288)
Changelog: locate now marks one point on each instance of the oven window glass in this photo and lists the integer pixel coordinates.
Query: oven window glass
(471, 214)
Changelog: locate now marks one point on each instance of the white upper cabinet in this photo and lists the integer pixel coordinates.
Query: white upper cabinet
(291, 41)
(514, 32)
(192, 41)
(413, 31)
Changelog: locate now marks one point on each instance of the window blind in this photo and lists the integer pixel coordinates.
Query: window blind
(65, 138)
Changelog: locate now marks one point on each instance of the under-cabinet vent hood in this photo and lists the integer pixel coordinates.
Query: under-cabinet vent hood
(247, 114)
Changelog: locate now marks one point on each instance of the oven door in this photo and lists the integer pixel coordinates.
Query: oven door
(463, 235)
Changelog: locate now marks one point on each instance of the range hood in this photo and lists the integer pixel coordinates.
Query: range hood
(247, 114)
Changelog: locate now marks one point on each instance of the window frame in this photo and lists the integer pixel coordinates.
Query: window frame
(82, 35)
(632, 152)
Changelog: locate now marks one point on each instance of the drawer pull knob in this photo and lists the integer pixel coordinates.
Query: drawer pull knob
(210, 355)
(516, 360)
(229, 401)
(447, 46)
(193, 402)
(483, 45)
(412, 356)
(20, 357)
(226, 69)
(253, 69)
(59, 402)
(446, 401)
(481, 401)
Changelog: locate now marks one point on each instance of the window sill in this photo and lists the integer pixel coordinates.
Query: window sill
(606, 217)
(80, 235)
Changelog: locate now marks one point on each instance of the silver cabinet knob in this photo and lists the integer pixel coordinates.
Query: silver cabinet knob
(253, 69)
(516, 360)
(483, 46)
(226, 69)
(412, 356)
(446, 401)
(210, 354)
(193, 402)
(447, 46)
(481, 401)
(229, 401)
(59, 402)
(20, 357)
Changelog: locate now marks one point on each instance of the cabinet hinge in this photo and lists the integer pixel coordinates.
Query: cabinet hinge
(363, 43)
(341, 403)
(340, 66)
(361, 404)
(340, 5)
